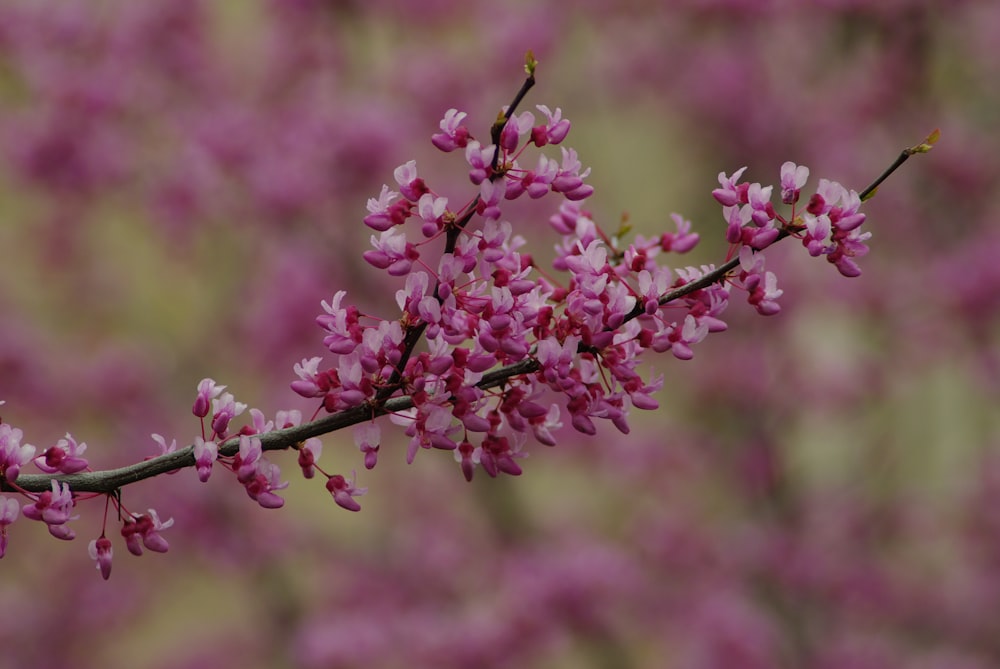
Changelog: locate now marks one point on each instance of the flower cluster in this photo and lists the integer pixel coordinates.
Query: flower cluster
(488, 348)
(504, 340)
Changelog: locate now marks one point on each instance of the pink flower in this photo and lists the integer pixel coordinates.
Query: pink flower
(341, 324)
(793, 178)
(100, 551)
(13, 455)
(146, 528)
(63, 458)
(9, 510)
(309, 452)
(552, 132)
(205, 453)
(162, 443)
(453, 134)
(53, 508)
(345, 491)
(732, 192)
(368, 437)
(683, 240)
(480, 159)
(382, 214)
(392, 253)
(207, 391)
(411, 186)
(761, 286)
(224, 409)
(261, 487)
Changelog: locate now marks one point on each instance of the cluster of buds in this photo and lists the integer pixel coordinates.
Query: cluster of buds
(488, 349)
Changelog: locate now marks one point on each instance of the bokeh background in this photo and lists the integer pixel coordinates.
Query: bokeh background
(182, 182)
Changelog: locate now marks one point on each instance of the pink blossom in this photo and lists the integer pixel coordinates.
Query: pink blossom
(516, 125)
(453, 134)
(392, 252)
(9, 510)
(13, 454)
(224, 409)
(101, 552)
(207, 391)
(205, 454)
(480, 159)
(145, 528)
(732, 192)
(309, 452)
(411, 186)
(265, 480)
(382, 213)
(64, 457)
(683, 240)
(554, 131)
(368, 437)
(793, 178)
(53, 508)
(345, 491)
(341, 324)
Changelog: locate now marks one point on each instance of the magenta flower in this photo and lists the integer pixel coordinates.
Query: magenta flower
(53, 508)
(793, 178)
(345, 491)
(552, 132)
(63, 458)
(341, 324)
(309, 453)
(13, 454)
(9, 510)
(480, 159)
(392, 253)
(681, 241)
(205, 454)
(383, 214)
(453, 134)
(732, 192)
(261, 487)
(207, 391)
(368, 437)
(101, 552)
(145, 528)
(224, 409)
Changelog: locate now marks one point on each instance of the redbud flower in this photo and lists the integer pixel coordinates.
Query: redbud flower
(732, 192)
(516, 125)
(9, 510)
(101, 552)
(207, 391)
(266, 480)
(345, 491)
(205, 453)
(480, 159)
(63, 458)
(761, 286)
(368, 437)
(552, 132)
(309, 452)
(162, 442)
(225, 408)
(793, 178)
(381, 213)
(453, 134)
(52, 507)
(683, 240)
(146, 528)
(13, 455)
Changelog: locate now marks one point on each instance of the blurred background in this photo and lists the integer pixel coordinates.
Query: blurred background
(182, 182)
